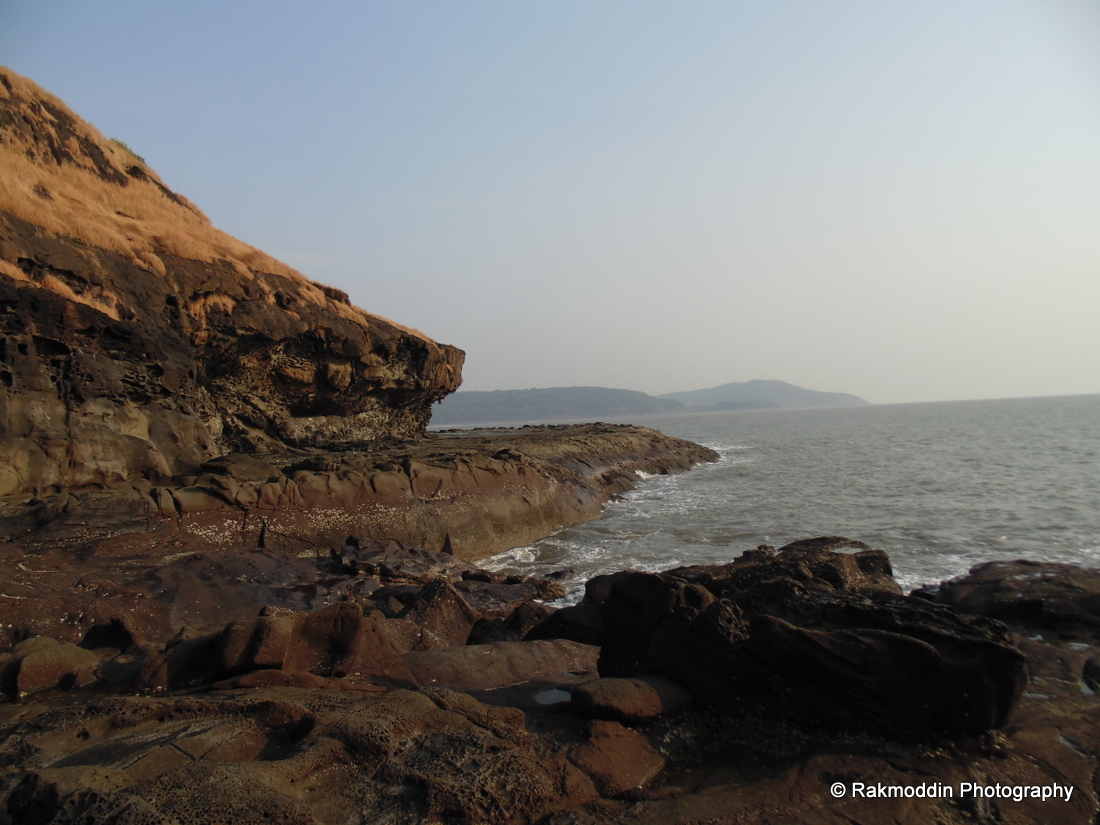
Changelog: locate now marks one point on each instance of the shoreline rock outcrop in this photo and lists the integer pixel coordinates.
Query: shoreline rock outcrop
(258, 530)
(137, 341)
(384, 705)
(205, 549)
(807, 632)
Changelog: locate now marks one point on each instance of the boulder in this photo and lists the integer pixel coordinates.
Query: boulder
(255, 645)
(443, 616)
(818, 636)
(616, 758)
(582, 623)
(528, 616)
(497, 600)
(488, 631)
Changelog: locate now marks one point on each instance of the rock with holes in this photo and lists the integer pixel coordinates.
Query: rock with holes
(140, 341)
(289, 755)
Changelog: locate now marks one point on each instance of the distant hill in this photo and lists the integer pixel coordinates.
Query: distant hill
(555, 403)
(559, 403)
(760, 395)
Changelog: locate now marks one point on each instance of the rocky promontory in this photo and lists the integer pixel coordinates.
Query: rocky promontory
(139, 341)
(170, 394)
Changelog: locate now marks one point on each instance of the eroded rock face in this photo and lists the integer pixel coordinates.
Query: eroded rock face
(128, 350)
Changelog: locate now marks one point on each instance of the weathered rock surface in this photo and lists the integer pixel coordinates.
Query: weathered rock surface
(321, 722)
(810, 633)
(1037, 594)
(78, 559)
(379, 629)
(470, 493)
(138, 341)
(286, 755)
(616, 758)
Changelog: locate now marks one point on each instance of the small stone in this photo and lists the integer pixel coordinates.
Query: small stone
(641, 699)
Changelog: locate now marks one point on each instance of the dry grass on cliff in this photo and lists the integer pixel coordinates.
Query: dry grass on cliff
(139, 221)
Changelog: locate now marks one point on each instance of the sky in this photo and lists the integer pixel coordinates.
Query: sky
(895, 200)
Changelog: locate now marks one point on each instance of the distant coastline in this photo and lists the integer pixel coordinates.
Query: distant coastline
(571, 403)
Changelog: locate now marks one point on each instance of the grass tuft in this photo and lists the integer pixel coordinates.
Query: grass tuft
(127, 150)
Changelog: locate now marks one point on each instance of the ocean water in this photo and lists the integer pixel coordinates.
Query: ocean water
(940, 487)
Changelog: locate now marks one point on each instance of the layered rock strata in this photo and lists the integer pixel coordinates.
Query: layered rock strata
(243, 523)
(137, 341)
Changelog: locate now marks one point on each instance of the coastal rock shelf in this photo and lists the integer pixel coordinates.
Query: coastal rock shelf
(245, 531)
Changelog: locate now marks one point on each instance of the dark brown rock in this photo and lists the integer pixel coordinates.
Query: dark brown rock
(120, 633)
(497, 601)
(639, 699)
(814, 635)
(528, 616)
(260, 644)
(1036, 594)
(487, 631)
(496, 665)
(582, 623)
(443, 616)
(616, 758)
(41, 663)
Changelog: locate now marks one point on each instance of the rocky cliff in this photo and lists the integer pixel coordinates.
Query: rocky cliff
(138, 341)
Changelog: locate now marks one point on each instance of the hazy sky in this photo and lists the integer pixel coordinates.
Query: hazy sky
(899, 200)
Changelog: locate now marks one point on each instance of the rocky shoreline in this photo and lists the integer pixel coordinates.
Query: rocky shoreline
(237, 578)
(420, 688)
(247, 531)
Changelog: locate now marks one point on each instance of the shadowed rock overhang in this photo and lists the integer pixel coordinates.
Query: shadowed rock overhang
(136, 340)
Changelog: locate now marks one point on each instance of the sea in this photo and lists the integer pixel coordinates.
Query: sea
(940, 487)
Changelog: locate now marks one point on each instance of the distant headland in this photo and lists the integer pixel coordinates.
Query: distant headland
(562, 403)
